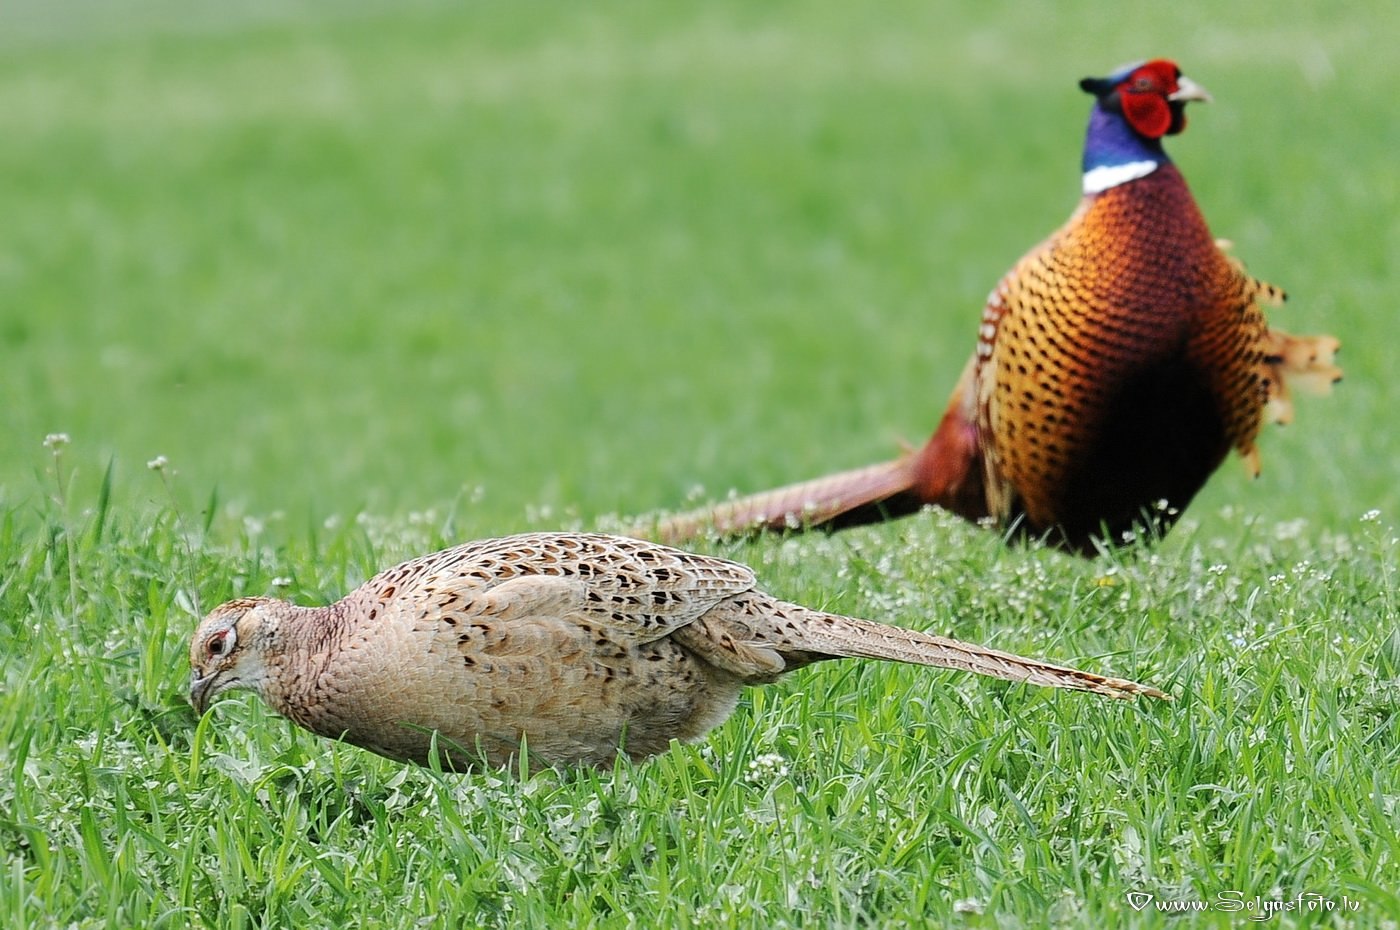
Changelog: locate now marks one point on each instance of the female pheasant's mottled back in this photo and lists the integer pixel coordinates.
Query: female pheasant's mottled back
(580, 645)
(1116, 364)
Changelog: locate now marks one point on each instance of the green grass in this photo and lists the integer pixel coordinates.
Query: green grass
(377, 278)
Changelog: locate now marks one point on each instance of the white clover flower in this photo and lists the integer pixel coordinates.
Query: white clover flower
(56, 441)
(765, 768)
(1370, 516)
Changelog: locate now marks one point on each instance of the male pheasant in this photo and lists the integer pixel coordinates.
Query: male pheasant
(1116, 364)
(580, 646)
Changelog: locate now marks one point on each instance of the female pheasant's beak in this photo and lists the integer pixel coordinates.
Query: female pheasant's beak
(1187, 89)
(202, 690)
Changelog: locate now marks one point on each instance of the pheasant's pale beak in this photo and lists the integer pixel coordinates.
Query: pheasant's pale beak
(200, 695)
(1187, 89)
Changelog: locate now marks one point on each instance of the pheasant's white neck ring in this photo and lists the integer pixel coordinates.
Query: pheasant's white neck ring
(1097, 180)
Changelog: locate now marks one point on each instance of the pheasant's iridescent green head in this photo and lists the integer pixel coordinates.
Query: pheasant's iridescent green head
(226, 652)
(1150, 95)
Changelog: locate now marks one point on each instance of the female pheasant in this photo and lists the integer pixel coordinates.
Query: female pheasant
(579, 645)
(1116, 364)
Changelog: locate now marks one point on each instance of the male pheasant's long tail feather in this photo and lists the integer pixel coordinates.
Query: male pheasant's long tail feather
(861, 495)
(947, 471)
(848, 636)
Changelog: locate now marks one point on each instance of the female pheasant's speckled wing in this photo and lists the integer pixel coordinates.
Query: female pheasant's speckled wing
(639, 589)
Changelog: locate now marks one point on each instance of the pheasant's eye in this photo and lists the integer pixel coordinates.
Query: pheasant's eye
(217, 644)
(1143, 83)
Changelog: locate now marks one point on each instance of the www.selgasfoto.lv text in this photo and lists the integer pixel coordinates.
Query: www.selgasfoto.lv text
(1253, 907)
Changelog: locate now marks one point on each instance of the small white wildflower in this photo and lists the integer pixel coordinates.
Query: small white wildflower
(1370, 516)
(1238, 640)
(158, 463)
(56, 441)
(1278, 578)
(281, 581)
(1218, 568)
(767, 767)
(253, 526)
(967, 906)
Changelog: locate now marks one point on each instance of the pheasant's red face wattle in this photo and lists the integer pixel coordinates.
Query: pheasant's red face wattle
(1145, 96)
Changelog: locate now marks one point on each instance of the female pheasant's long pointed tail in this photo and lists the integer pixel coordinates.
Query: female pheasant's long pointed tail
(840, 636)
(876, 641)
(757, 638)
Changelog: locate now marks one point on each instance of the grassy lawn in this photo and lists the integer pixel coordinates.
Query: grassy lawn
(374, 278)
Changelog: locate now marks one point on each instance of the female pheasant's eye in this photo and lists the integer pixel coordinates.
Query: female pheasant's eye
(216, 644)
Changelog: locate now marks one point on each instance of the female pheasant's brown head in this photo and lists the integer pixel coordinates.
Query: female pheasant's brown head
(1135, 107)
(228, 650)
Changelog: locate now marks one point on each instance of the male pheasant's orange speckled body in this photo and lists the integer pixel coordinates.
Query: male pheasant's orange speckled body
(1117, 364)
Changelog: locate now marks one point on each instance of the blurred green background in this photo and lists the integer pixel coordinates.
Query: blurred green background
(421, 272)
(555, 261)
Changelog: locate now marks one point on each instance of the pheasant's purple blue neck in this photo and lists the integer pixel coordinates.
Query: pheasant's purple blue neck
(1114, 153)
